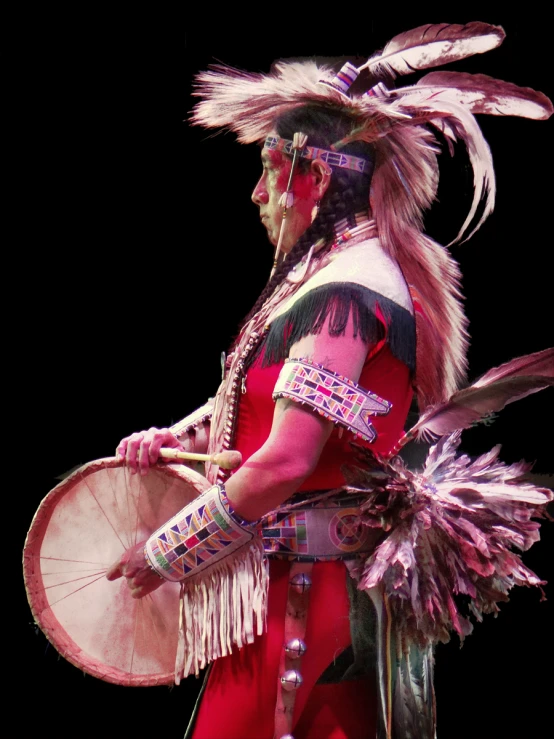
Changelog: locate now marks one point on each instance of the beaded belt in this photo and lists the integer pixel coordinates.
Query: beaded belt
(321, 531)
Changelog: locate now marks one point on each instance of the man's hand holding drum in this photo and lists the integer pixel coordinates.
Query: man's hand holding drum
(132, 565)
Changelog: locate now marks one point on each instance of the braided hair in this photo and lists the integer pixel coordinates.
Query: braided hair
(348, 191)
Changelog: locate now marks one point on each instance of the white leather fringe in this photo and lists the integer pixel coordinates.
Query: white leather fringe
(222, 607)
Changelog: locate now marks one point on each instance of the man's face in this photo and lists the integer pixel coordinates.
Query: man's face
(271, 185)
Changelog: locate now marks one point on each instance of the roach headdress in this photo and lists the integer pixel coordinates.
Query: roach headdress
(399, 124)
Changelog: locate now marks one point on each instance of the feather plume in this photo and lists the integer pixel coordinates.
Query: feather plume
(432, 45)
(490, 393)
(250, 103)
(482, 94)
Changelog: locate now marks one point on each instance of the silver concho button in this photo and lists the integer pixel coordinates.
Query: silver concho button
(291, 680)
(300, 583)
(295, 648)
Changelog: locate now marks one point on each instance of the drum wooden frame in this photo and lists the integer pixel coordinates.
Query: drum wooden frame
(81, 527)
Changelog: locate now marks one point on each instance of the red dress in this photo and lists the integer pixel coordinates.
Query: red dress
(240, 696)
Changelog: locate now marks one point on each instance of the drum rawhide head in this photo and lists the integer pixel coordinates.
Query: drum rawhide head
(81, 527)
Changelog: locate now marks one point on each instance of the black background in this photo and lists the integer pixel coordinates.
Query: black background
(140, 252)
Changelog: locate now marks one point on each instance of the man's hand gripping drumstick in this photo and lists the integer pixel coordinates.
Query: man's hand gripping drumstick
(142, 450)
(229, 460)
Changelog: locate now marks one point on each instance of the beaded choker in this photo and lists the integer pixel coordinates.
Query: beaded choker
(364, 230)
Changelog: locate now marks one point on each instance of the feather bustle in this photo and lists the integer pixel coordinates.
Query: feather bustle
(540, 364)
(451, 529)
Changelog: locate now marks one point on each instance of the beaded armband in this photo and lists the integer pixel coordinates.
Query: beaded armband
(200, 535)
(333, 396)
(193, 420)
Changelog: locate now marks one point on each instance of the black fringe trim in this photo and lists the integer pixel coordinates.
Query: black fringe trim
(337, 300)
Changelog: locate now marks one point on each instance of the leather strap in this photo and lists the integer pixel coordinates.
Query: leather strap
(296, 618)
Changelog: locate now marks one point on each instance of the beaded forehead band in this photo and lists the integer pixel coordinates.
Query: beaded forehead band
(332, 158)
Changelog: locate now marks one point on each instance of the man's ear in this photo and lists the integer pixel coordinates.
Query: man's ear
(321, 172)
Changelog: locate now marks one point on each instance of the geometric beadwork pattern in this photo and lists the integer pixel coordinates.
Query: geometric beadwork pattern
(285, 533)
(346, 530)
(321, 531)
(332, 158)
(343, 79)
(331, 395)
(199, 535)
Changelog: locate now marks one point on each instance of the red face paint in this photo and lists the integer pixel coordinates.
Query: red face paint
(268, 191)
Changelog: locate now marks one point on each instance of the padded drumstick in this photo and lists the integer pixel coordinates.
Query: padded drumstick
(228, 460)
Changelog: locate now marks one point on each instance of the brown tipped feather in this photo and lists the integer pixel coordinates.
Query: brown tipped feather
(434, 44)
(484, 95)
(490, 393)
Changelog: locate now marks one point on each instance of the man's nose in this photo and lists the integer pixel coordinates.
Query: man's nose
(259, 194)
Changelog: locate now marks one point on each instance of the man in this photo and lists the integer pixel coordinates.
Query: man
(340, 310)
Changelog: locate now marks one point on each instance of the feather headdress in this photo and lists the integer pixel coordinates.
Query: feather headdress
(399, 124)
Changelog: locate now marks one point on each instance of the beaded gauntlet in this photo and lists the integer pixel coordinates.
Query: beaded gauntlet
(204, 532)
(333, 396)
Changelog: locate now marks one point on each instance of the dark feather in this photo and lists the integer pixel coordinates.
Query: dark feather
(413, 695)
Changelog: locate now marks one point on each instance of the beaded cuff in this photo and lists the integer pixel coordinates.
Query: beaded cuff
(200, 535)
(333, 396)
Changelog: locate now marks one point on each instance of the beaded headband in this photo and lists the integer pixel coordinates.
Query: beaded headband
(332, 158)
